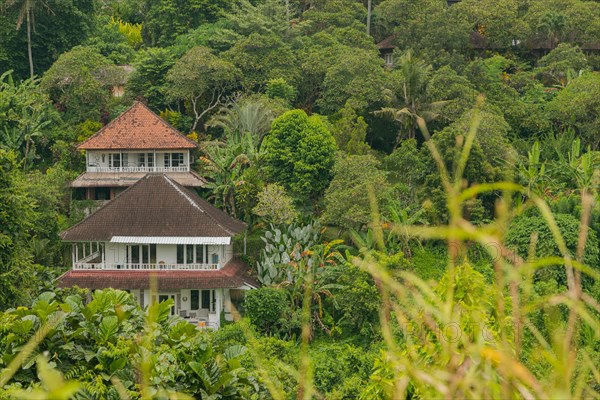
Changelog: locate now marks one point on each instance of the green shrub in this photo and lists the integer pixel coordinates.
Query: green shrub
(265, 307)
(523, 228)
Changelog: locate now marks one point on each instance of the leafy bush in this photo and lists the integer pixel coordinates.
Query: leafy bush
(265, 307)
(300, 153)
(110, 339)
(280, 89)
(524, 228)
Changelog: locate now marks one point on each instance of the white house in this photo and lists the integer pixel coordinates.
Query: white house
(156, 238)
(135, 143)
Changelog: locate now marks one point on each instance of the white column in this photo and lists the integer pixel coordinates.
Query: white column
(72, 254)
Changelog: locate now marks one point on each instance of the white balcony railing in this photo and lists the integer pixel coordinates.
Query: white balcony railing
(183, 168)
(130, 266)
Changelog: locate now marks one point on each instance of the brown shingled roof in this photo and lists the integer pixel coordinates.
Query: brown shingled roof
(135, 129)
(155, 205)
(232, 275)
(388, 43)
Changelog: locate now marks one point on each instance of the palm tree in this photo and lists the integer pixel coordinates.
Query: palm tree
(26, 10)
(411, 101)
(252, 117)
(551, 25)
(224, 163)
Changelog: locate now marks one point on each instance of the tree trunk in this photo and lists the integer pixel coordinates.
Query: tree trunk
(369, 17)
(29, 45)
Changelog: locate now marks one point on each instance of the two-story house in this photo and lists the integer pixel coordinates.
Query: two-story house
(157, 238)
(135, 143)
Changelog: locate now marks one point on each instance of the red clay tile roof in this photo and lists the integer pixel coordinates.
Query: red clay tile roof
(135, 129)
(155, 205)
(233, 275)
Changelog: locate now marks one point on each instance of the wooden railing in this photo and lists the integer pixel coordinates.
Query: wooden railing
(183, 168)
(140, 266)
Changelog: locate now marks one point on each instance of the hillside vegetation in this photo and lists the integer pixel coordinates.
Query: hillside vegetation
(420, 183)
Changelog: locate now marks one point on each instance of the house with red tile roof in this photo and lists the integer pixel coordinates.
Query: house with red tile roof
(159, 235)
(135, 143)
(155, 237)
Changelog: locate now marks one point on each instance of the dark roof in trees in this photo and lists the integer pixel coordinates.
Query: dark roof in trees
(156, 205)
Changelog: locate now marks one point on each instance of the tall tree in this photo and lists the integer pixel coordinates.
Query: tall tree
(26, 10)
(79, 81)
(300, 153)
(201, 78)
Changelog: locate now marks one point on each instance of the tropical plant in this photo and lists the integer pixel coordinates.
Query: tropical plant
(534, 170)
(496, 328)
(300, 153)
(283, 246)
(410, 101)
(253, 117)
(348, 198)
(551, 25)
(224, 161)
(114, 349)
(26, 116)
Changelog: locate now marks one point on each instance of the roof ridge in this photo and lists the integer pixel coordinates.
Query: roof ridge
(118, 117)
(172, 183)
(166, 123)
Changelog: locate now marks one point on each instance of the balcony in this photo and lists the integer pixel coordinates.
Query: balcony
(182, 168)
(143, 267)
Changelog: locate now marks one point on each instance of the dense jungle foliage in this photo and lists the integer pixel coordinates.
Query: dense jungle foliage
(419, 178)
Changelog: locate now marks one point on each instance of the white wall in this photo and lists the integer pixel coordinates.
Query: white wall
(185, 304)
(94, 157)
(166, 253)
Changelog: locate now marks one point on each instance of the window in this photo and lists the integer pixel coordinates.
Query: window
(114, 160)
(180, 251)
(117, 160)
(176, 159)
(102, 193)
(141, 253)
(152, 254)
(173, 159)
(206, 299)
(214, 259)
(389, 59)
(189, 256)
(150, 159)
(145, 254)
(135, 254)
(201, 251)
(195, 300)
(142, 159)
